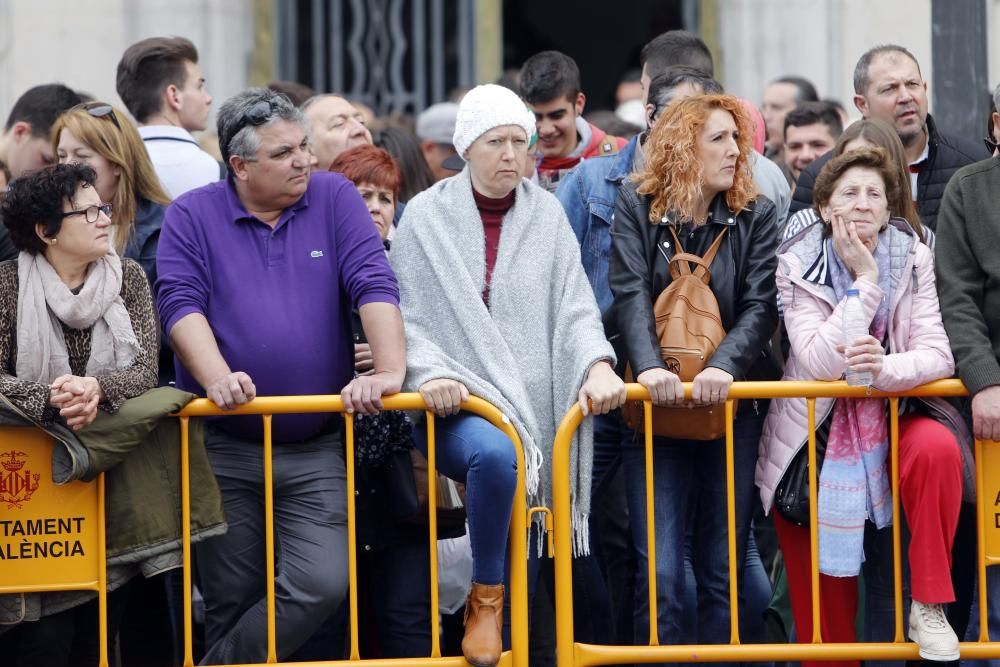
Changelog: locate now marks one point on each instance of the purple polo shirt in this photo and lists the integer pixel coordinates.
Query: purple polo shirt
(278, 300)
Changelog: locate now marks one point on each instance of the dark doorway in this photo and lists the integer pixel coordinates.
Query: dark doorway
(604, 38)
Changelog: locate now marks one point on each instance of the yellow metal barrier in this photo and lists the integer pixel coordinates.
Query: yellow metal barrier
(268, 406)
(573, 654)
(50, 535)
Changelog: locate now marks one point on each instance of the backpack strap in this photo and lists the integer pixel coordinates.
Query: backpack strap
(681, 262)
(709, 256)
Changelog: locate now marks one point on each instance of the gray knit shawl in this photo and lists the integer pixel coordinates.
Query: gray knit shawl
(529, 352)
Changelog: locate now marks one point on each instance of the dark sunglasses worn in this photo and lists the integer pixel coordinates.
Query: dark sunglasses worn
(991, 145)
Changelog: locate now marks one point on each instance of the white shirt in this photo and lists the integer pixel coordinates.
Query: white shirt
(915, 174)
(178, 160)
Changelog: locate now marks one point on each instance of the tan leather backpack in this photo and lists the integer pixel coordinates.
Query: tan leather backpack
(689, 328)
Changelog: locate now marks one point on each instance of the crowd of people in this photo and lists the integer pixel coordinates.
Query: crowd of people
(504, 246)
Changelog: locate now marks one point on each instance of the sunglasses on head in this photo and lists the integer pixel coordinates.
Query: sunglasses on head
(258, 114)
(101, 110)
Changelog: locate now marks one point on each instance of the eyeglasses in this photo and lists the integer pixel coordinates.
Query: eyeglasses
(91, 213)
(991, 145)
(101, 110)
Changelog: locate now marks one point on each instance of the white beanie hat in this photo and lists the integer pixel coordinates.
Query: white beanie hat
(488, 106)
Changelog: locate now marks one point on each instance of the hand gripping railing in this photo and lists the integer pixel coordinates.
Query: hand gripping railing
(573, 654)
(268, 406)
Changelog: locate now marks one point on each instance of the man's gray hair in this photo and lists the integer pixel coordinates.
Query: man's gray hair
(320, 96)
(237, 135)
(865, 62)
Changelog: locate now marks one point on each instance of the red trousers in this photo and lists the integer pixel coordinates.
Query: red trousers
(930, 481)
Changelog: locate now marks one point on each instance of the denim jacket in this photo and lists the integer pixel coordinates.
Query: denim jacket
(146, 237)
(588, 195)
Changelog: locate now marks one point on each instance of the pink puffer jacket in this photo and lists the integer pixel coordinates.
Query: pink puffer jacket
(919, 350)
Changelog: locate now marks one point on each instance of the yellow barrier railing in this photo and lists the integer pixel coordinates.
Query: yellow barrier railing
(95, 577)
(574, 654)
(268, 406)
(52, 536)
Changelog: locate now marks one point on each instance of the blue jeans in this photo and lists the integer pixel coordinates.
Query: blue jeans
(687, 472)
(755, 596)
(474, 452)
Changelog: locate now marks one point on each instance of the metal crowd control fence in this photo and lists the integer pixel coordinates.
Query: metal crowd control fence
(268, 406)
(42, 519)
(574, 654)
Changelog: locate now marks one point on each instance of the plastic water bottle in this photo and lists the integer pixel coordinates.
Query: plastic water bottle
(855, 326)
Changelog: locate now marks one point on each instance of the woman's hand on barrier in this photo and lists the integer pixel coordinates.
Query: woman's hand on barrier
(864, 355)
(603, 388)
(986, 414)
(711, 386)
(443, 396)
(364, 393)
(852, 252)
(664, 387)
(364, 362)
(231, 390)
(77, 399)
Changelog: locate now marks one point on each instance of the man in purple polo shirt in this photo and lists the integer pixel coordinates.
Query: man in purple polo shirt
(257, 278)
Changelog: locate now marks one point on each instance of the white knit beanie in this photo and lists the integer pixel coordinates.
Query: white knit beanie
(488, 106)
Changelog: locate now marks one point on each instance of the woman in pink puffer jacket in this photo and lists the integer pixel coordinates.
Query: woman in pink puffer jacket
(858, 246)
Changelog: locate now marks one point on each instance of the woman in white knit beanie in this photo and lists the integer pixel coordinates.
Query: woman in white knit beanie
(496, 305)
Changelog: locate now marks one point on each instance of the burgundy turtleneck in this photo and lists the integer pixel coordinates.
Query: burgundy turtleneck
(492, 212)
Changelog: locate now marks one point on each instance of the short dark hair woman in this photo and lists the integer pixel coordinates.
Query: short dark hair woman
(78, 331)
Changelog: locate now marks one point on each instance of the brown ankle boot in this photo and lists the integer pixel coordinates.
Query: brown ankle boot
(481, 645)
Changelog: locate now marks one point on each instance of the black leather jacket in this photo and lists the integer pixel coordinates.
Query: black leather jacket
(742, 280)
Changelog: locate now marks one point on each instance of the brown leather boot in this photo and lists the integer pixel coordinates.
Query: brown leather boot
(481, 645)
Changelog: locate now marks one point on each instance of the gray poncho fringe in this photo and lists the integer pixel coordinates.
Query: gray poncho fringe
(530, 351)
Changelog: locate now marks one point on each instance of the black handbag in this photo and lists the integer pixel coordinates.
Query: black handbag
(791, 496)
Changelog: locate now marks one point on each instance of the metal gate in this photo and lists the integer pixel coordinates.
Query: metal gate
(393, 55)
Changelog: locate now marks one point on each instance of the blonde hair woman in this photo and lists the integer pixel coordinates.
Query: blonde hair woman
(98, 135)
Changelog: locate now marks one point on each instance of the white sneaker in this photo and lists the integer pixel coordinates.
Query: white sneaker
(930, 630)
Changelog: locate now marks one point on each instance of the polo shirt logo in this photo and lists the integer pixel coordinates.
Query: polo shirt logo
(316, 253)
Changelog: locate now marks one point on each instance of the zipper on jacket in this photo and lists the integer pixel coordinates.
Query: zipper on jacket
(684, 350)
(916, 281)
(660, 246)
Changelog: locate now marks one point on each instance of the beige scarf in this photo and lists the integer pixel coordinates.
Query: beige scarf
(44, 302)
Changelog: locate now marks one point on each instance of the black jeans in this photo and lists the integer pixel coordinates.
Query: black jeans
(67, 639)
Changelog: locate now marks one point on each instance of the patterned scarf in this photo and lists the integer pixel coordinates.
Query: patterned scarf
(854, 482)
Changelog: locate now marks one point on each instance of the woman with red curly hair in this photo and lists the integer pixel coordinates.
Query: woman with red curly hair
(696, 182)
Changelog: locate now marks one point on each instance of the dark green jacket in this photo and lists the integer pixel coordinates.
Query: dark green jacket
(967, 256)
(139, 450)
